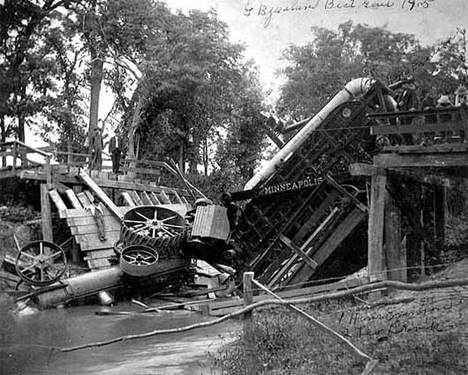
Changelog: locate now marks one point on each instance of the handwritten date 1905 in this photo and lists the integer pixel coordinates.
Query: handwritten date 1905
(412, 4)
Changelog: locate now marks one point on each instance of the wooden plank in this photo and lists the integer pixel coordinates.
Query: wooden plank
(179, 200)
(91, 241)
(333, 241)
(83, 198)
(57, 199)
(82, 212)
(361, 169)
(395, 261)
(136, 198)
(301, 254)
(155, 198)
(70, 178)
(147, 171)
(146, 199)
(75, 202)
(98, 264)
(110, 222)
(91, 229)
(440, 202)
(416, 128)
(375, 251)
(99, 254)
(99, 192)
(305, 246)
(46, 212)
(428, 149)
(89, 195)
(128, 199)
(220, 308)
(164, 198)
(423, 160)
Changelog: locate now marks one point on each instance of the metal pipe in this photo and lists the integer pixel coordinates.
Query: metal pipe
(353, 88)
(80, 286)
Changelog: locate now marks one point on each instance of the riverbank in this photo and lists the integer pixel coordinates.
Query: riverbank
(408, 333)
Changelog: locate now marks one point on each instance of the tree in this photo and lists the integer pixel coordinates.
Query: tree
(322, 67)
(22, 22)
(239, 150)
(191, 82)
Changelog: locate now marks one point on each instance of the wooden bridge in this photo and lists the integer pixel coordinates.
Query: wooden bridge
(67, 190)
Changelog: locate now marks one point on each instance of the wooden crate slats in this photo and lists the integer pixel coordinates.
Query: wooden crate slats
(146, 199)
(136, 198)
(59, 203)
(127, 198)
(83, 198)
(75, 202)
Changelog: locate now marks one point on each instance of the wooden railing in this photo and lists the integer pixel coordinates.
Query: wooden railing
(19, 152)
(425, 124)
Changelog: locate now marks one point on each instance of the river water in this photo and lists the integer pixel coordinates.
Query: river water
(26, 339)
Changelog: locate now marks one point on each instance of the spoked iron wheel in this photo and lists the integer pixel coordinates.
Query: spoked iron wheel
(41, 263)
(154, 222)
(139, 260)
(153, 226)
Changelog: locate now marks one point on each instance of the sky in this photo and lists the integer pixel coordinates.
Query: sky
(267, 27)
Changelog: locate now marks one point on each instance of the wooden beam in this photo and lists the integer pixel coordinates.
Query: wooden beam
(346, 227)
(83, 198)
(59, 203)
(46, 213)
(75, 202)
(428, 149)
(128, 199)
(164, 197)
(440, 202)
(396, 258)
(418, 161)
(416, 128)
(103, 183)
(376, 258)
(100, 193)
(155, 198)
(136, 198)
(146, 198)
(312, 263)
(362, 169)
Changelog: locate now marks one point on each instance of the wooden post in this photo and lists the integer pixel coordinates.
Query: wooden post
(48, 171)
(15, 155)
(439, 216)
(46, 211)
(395, 255)
(249, 324)
(376, 256)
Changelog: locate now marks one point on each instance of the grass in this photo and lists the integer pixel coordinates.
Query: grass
(287, 344)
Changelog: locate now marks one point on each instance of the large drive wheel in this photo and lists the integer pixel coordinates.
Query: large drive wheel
(41, 263)
(153, 226)
(139, 261)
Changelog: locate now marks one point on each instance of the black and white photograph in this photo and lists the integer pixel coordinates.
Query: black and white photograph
(233, 187)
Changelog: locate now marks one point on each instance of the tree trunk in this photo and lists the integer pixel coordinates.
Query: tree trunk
(95, 83)
(133, 141)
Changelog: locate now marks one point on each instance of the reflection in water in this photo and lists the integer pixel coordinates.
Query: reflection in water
(27, 339)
